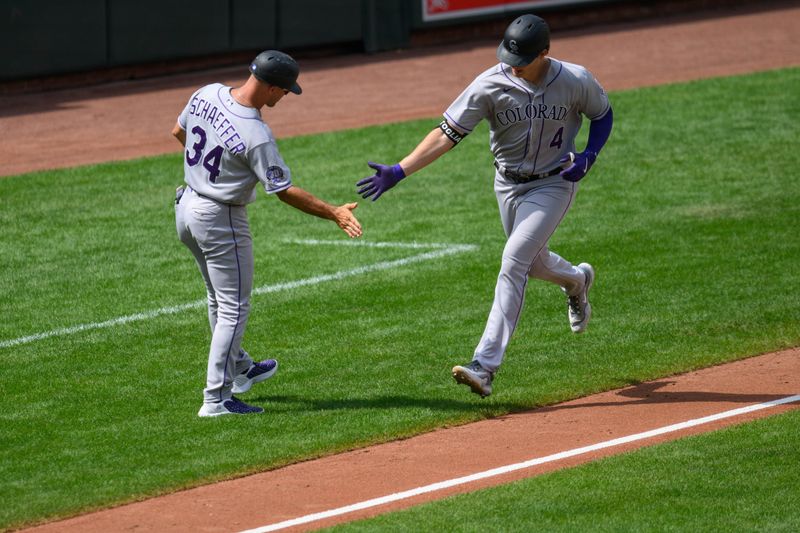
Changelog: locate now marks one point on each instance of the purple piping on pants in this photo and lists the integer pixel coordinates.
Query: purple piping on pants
(238, 298)
(522, 298)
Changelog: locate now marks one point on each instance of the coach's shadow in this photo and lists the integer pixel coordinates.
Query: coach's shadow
(289, 403)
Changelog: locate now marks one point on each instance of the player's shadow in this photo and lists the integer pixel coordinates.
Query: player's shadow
(652, 393)
(292, 403)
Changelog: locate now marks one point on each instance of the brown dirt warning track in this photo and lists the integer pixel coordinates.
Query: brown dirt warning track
(129, 120)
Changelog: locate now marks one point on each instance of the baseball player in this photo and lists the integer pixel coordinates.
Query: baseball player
(534, 105)
(228, 150)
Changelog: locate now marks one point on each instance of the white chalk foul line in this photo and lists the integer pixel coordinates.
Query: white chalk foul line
(439, 250)
(518, 466)
(370, 244)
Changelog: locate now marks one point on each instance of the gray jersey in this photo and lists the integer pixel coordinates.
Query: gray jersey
(229, 148)
(531, 127)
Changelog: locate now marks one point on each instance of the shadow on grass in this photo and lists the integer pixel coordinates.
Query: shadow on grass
(288, 403)
(642, 394)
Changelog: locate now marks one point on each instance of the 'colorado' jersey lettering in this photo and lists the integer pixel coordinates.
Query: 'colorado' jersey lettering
(229, 149)
(531, 127)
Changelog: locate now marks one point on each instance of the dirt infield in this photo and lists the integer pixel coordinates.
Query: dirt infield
(123, 121)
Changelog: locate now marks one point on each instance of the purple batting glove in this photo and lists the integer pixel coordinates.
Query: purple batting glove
(384, 179)
(580, 166)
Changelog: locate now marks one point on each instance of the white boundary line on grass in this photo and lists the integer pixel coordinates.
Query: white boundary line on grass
(518, 466)
(439, 250)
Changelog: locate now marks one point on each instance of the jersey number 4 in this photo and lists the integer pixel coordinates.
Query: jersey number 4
(212, 159)
(558, 138)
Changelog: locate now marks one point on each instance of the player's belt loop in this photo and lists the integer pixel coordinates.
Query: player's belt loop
(516, 177)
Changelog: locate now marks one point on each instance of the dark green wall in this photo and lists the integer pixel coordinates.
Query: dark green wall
(47, 37)
(44, 36)
(254, 24)
(144, 30)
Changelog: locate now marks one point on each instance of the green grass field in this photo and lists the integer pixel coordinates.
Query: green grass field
(689, 218)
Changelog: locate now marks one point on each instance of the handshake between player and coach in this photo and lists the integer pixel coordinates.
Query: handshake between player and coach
(537, 171)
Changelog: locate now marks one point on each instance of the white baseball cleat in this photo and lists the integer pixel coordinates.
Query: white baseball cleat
(579, 309)
(476, 377)
(233, 406)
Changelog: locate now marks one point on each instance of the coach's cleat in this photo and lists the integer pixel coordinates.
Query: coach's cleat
(257, 373)
(476, 377)
(579, 309)
(234, 406)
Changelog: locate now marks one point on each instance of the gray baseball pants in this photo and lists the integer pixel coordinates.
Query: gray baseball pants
(218, 235)
(530, 214)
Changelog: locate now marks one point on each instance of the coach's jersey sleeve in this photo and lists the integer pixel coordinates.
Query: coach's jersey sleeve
(268, 166)
(471, 106)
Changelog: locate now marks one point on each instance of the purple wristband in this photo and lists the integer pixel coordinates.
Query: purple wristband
(397, 170)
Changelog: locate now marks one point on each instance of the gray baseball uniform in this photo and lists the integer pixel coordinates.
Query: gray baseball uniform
(229, 150)
(531, 129)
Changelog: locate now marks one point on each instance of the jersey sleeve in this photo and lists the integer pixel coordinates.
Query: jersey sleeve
(469, 108)
(268, 166)
(595, 100)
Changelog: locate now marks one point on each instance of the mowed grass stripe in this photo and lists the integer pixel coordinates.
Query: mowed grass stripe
(445, 250)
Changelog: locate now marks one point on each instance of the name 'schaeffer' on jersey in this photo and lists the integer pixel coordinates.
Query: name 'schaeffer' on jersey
(530, 111)
(217, 120)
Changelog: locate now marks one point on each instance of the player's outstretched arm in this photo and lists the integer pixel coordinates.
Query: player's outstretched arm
(308, 203)
(432, 147)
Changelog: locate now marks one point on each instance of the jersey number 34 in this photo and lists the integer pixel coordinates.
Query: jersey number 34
(211, 160)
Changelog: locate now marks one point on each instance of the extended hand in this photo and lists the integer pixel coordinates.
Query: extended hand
(344, 218)
(581, 163)
(384, 179)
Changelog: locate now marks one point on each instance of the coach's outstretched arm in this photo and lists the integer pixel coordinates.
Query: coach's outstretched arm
(432, 147)
(308, 203)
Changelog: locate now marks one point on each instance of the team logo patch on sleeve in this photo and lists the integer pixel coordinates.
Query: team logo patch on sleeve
(275, 174)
